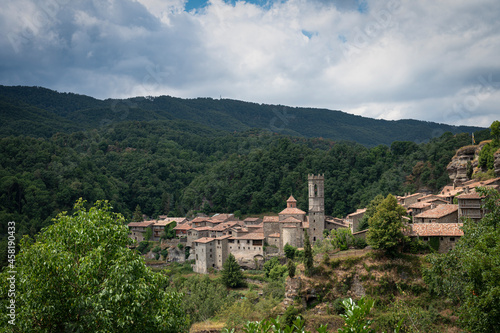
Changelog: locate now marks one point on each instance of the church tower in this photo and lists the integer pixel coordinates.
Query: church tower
(316, 207)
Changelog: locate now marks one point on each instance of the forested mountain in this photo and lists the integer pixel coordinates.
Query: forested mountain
(40, 112)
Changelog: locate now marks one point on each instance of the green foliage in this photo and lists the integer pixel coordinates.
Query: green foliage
(289, 251)
(495, 130)
(275, 289)
(168, 231)
(470, 273)
(386, 225)
(370, 211)
(355, 316)
(137, 216)
(164, 253)
(434, 243)
(203, 297)
(277, 272)
(231, 275)
(277, 325)
(308, 256)
(144, 247)
(341, 238)
(270, 264)
(79, 276)
(291, 268)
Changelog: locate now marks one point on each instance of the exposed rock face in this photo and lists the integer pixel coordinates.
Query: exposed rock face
(176, 255)
(457, 168)
(292, 290)
(497, 162)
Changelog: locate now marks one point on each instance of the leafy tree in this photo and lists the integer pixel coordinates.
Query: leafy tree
(469, 274)
(370, 210)
(270, 264)
(289, 251)
(148, 234)
(308, 256)
(277, 272)
(495, 130)
(386, 225)
(168, 231)
(355, 316)
(231, 273)
(79, 276)
(341, 238)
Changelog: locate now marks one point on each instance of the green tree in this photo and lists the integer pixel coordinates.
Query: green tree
(231, 273)
(370, 211)
(495, 130)
(79, 276)
(308, 256)
(386, 225)
(355, 316)
(137, 216)
(469, 274)
(291, 268)
(289, 251)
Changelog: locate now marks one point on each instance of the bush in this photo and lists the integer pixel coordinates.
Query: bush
(359, 243)
(274, 289)
(289, 251)
(143, 247)
(164, 253)
(156, 249)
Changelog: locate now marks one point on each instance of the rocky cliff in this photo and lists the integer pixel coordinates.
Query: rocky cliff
(457, 168)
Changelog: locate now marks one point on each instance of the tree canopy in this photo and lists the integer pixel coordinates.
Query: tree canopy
(386, 225)
(79, 276)
(231, 274)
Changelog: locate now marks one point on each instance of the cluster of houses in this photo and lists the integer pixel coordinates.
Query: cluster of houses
(212, 239)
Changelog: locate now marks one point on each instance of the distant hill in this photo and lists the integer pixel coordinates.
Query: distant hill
(41, 112)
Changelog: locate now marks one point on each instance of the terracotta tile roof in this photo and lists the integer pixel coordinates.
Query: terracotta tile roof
(337, 222)
(169, 220)
(271, 219)
(419, 205)
(221, 217)
(251, 219)
(435, 229)
(360, 232)
(411, 195)
(292, 211)
(438, 212)
(290, 219)
(440, 199)
(261, 225)
(276, 235)
(253, 235)
(143, 224)
(291, 199)
(183, 226)
(224, 226)
(202, 228)
(471, 195)
(305, 225)
(204, 240)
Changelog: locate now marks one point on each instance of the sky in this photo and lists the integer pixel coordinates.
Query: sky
(399, 59)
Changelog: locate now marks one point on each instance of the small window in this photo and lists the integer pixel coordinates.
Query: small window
(425, 239)
(452, 239)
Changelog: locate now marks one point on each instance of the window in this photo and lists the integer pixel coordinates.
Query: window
(452, 239)
(425, 239)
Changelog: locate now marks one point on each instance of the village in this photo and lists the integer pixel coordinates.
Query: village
(210, 240)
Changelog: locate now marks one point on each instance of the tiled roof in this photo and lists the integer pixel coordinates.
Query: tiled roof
(290, 219)
(223, 237)
(251, 219)
(169, 220)
(435, 229)
(221, 217)
(204, 240)
(200, 219)
(291, 199)
(261, 225)
(276, 235)
(224, 226)
(411, 195)
(202, 228)
(143, 224)
(292, 211)
(254, 235)
(419, 205)
(471, 195)
(439, 211)
(183, 226)
(305, 225)
(271, 219)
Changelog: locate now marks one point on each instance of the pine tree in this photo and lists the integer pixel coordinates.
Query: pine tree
(231, 273)
(308, 256)
(291, 268)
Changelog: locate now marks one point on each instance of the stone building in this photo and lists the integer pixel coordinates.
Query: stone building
(316, 206)
(162, 222)
(353, 219)
(137, 230)
(440, 214)
(447, 234)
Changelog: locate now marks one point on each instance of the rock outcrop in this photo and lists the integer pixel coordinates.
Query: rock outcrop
(457, 168)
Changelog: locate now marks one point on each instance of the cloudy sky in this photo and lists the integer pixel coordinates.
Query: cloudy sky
(428, 60)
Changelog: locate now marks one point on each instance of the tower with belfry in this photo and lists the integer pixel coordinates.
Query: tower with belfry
(316, 206)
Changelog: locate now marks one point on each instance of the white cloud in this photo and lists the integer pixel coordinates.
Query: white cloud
(399, 59)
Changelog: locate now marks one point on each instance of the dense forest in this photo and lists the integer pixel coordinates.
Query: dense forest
(40, 112)
(179, 167)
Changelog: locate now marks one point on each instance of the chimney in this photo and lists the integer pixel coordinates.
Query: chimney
(466, 189)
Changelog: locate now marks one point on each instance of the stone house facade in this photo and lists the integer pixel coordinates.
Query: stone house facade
(440, 214)
(137, 230)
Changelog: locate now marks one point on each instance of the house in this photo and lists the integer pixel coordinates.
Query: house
(160, 225)
(409, 199)
(419, 207)
(137, 230)
(252, 221)
(470, 206)
(353, 219)
(204, 249)
(447, 234)
(440, 214)
(181, 230)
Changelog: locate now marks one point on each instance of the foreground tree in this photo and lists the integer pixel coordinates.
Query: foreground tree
(231, 273)
(470, 273)
(79, 276)
(386, 225)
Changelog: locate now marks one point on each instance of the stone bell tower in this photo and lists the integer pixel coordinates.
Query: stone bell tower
(316, 207)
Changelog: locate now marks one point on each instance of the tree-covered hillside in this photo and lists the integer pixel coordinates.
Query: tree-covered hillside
(40, 112)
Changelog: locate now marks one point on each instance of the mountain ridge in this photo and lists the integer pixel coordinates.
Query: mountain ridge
(68, 112)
